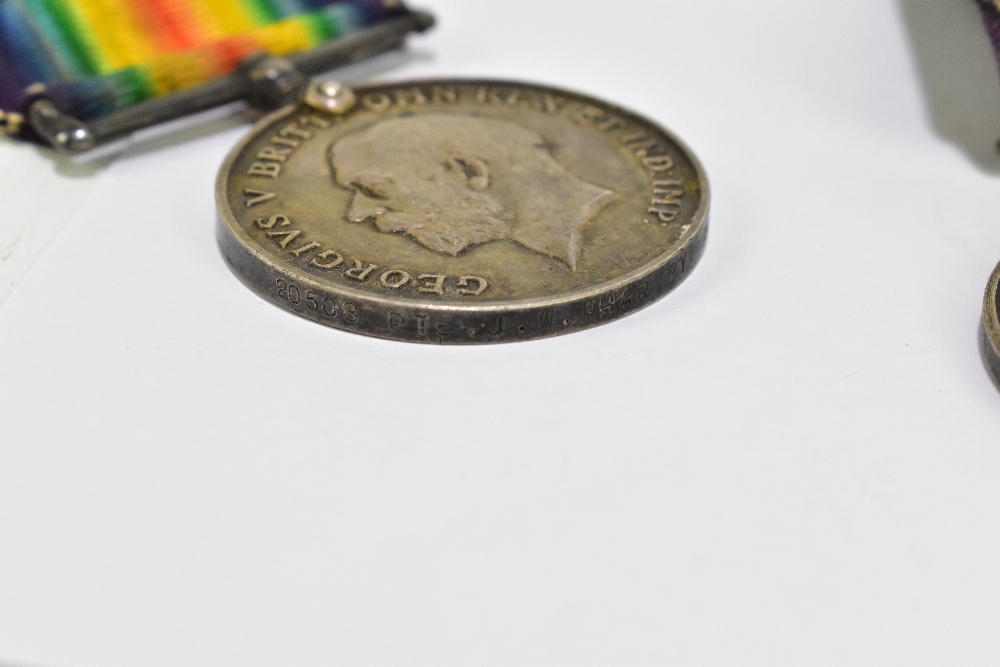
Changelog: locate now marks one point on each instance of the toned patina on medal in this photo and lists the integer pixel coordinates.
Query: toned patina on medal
(990, 329)
(460, 211)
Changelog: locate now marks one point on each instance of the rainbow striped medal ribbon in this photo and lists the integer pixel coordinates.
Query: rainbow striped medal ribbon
(76, 74)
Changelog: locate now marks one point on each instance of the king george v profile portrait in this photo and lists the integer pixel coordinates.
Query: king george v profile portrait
(452, 182)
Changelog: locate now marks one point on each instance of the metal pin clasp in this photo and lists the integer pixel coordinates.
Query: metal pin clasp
(11, 123)
(60, 130)
(273, 81)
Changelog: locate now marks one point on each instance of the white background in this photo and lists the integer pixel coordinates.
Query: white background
(794, 459)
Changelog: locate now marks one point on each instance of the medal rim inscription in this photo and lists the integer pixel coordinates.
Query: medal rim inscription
(526, 319)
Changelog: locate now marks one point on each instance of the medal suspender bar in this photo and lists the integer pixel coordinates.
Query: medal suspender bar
(77, 74)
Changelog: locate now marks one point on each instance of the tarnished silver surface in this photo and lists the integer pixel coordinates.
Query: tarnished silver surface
(461, 212)
(989, 331)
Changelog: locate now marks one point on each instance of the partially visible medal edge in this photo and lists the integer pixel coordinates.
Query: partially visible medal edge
(990, 328)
